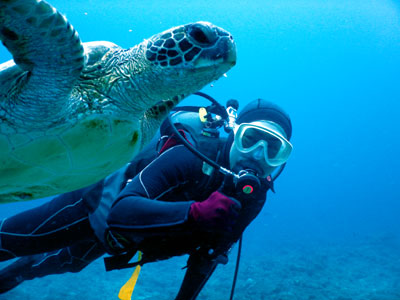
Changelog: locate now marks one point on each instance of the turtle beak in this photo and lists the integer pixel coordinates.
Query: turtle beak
(229, 46)
(218, 46)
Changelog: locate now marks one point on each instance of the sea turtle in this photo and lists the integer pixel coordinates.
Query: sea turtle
(71, 113)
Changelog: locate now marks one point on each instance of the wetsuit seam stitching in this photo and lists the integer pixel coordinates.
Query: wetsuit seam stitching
(1, 227)
(87, 253)
(140, 174)
(45, 258)
(142, 183)
(1, 244)
(70, 256)
(44, 234)
(170, 189)
(53, 215)
(8, 251)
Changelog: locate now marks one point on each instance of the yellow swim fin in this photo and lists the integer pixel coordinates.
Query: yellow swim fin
(125, 293)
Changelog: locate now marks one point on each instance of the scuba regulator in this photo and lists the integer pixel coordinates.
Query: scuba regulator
(246, 182)
(242, 184)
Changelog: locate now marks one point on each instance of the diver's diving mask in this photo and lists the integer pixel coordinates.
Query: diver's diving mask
(249, 137)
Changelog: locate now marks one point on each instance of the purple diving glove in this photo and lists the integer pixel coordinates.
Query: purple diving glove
(216, 212)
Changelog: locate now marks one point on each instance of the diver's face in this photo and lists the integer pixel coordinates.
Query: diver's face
(253, 160)
(258, 146)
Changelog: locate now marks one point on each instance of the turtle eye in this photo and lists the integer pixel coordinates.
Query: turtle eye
(199, 35)
(202, 34)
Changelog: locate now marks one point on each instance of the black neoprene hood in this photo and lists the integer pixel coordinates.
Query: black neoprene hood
(261, 109)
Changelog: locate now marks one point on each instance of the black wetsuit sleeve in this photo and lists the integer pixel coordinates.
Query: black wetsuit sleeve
(151, 199)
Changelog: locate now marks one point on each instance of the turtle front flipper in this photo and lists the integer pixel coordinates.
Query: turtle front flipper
(43, 43)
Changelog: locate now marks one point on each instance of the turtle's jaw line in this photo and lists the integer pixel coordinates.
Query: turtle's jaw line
(204, 63)
(220, 63)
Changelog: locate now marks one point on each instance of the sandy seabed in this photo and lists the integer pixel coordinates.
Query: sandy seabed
(361, 269)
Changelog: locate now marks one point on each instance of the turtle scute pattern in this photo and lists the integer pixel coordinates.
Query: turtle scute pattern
(72, 113)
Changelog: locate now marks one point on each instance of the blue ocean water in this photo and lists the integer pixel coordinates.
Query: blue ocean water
(332, 230)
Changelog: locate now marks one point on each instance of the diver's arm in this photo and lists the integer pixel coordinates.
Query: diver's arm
(137, 206)
(173, 176)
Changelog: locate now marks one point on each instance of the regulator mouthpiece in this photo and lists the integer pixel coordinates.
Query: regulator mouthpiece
(247, 182)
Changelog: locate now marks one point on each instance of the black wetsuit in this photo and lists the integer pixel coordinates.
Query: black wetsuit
(148, 212)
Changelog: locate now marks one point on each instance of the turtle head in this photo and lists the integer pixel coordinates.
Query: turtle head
(192, 46)
(179, 62)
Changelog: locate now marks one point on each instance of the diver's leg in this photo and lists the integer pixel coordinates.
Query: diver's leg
(70, 259)
(53, 225)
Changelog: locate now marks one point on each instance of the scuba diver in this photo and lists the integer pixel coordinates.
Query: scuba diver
(192, 191)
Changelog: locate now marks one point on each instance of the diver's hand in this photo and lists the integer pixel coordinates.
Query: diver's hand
(217, 212)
